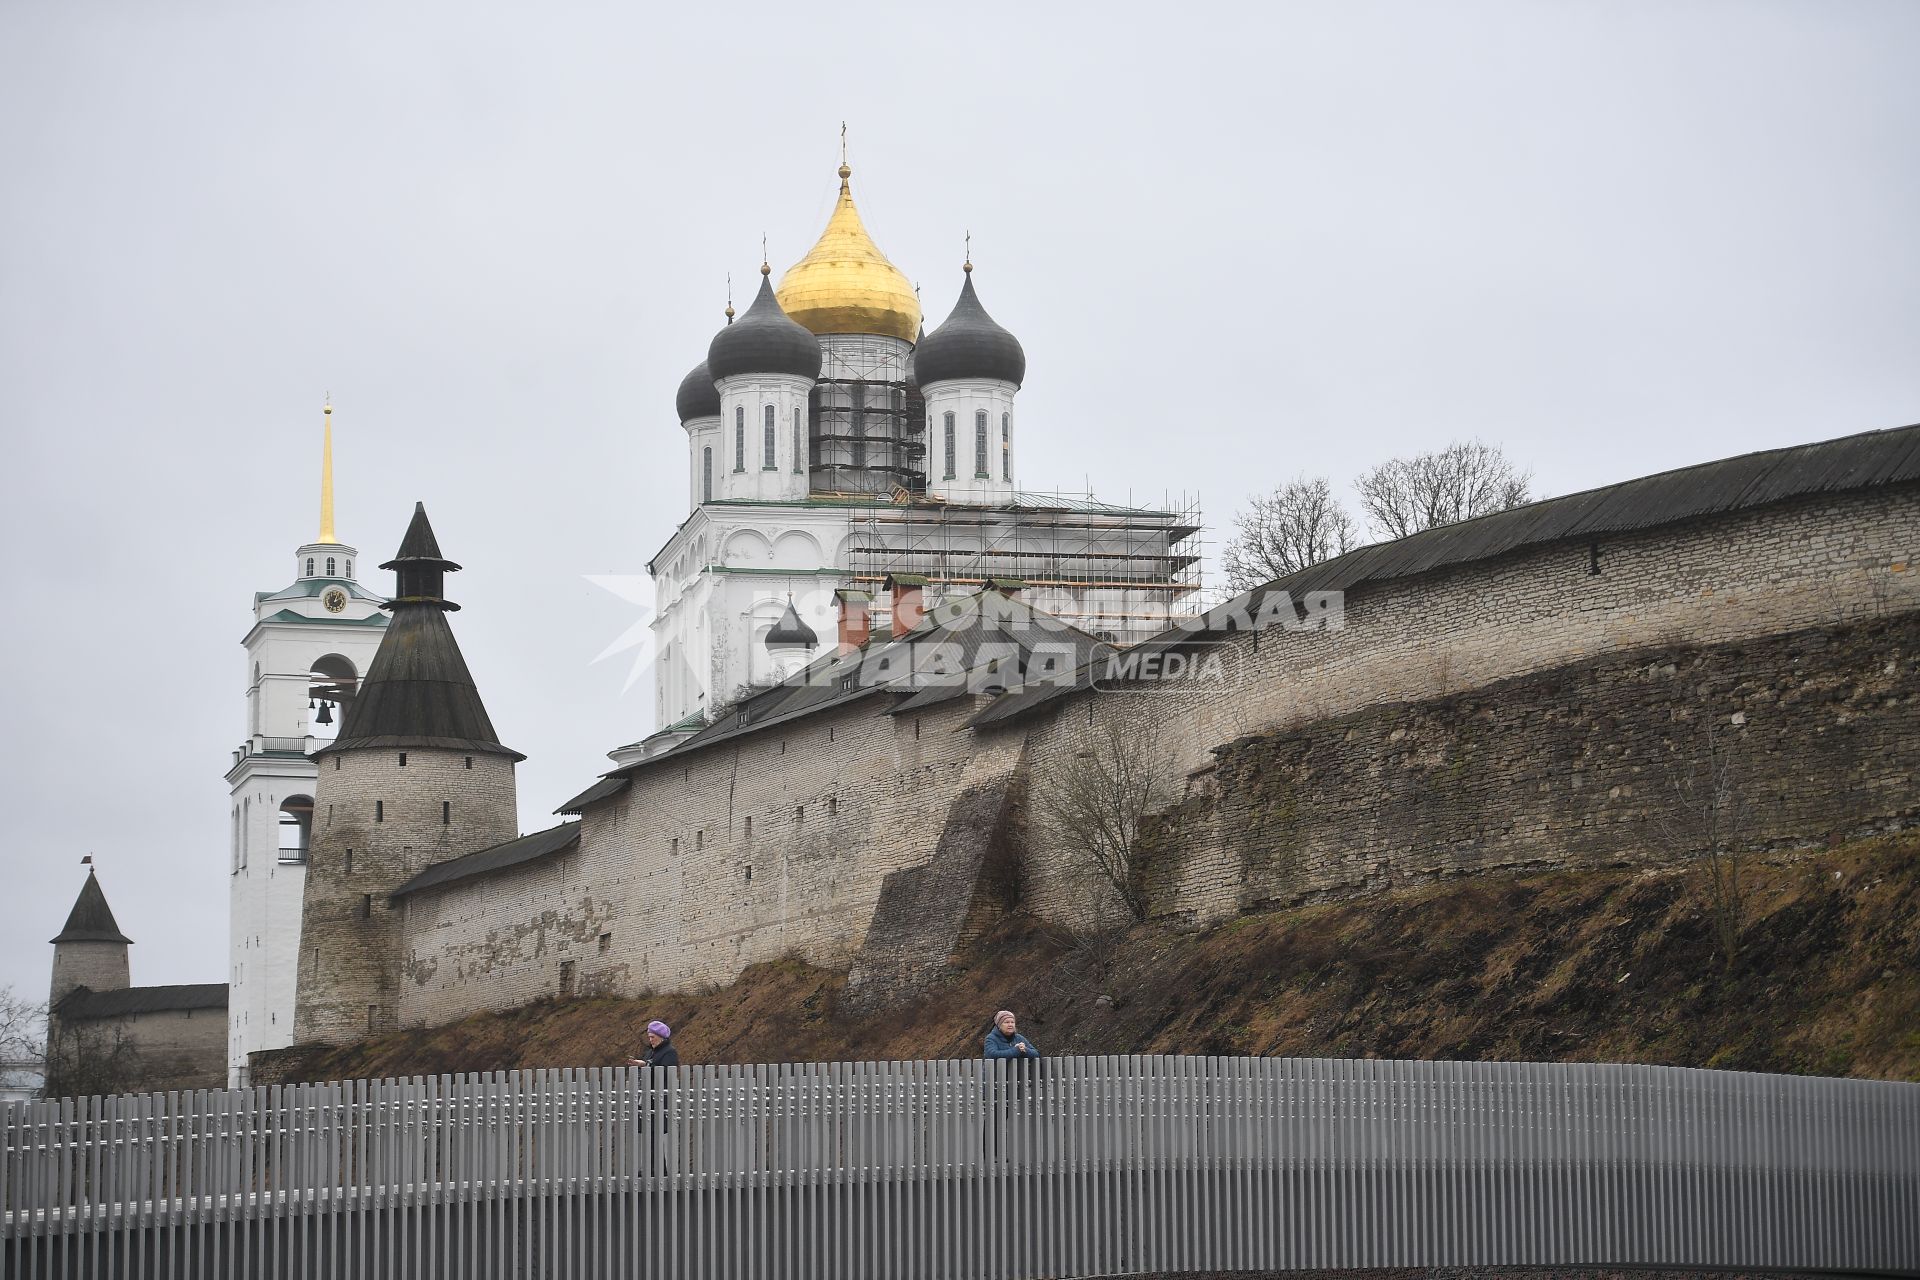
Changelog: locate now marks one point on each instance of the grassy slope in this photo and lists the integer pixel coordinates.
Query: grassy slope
(1613, 965)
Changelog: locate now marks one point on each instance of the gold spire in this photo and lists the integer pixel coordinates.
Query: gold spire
(845, 284)
(326, 475)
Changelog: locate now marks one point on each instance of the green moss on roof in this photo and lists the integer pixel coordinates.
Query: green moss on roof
(288, 615)
(308, 588)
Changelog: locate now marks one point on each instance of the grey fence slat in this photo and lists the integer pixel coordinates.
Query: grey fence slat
(969, 1170)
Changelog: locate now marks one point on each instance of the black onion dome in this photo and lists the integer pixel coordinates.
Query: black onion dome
(791, 631)
(969, 345)
(764, 340)
(910, 376)
(697, 397)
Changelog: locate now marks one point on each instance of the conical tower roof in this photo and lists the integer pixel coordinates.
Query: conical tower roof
(91, 919)
(845, 284)
(419, 544)
(418, 691)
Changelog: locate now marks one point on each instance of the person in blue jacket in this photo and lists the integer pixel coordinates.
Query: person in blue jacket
(1005, 1041)
(1005, 1141)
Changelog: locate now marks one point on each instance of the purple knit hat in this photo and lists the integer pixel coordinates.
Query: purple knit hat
(660, 1029)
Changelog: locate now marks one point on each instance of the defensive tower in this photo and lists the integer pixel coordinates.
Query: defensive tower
(90, 951)
(416, 776)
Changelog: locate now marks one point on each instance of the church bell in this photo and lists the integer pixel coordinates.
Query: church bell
(326, 714)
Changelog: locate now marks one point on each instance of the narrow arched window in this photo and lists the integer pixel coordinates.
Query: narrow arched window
(799, 440)
(980, 471)
(739, 438)
(767, 460)
(706, 474)
(330, 566)
(1006, 446)
(309, 566)
(950, 472)
(349, 568)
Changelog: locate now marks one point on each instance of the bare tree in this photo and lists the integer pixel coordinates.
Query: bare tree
(88, 1058)
(23, 1038)
(1299, 524)
(1094, 802)
(1402, 496)
(1703, 825)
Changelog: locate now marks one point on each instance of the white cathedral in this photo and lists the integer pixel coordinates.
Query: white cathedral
(833, 446)
(831, 443)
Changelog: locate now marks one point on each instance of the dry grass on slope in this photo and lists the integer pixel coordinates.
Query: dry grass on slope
(1614, 965)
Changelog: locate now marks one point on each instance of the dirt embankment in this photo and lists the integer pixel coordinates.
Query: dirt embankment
(1595, 966)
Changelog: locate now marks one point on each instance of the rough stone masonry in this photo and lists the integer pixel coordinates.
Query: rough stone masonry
(1523, 708)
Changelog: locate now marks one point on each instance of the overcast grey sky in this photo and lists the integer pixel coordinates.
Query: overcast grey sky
(1239, 243)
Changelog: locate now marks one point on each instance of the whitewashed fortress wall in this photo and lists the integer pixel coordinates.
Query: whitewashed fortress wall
(841, 798)
(770, 845)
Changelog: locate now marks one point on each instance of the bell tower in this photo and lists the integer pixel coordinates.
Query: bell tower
(306, 651)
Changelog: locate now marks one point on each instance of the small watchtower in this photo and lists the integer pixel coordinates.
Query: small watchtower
(90, 951)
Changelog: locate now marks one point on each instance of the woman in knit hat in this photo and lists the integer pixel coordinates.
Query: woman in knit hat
(656, 1102)
(660, 1050)
(1004, 1039)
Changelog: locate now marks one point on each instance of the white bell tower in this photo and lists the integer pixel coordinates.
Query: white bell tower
(307, 648)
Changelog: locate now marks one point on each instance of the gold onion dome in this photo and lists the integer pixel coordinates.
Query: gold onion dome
(846, 285)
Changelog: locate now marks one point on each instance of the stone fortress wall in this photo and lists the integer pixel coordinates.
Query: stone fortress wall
(771, 845)
(1719, 580)
(1354, 759)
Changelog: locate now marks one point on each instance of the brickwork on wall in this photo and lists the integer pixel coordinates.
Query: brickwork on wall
(769, 845)
(165, 1048)
(1601, 762)
(376, 822)
(99, 966)
(1810, 562)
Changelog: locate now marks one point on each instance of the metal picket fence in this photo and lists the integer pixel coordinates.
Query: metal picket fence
(970, 1171)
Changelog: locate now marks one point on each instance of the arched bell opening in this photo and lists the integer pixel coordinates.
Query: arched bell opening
(331, 684)
(296, 828)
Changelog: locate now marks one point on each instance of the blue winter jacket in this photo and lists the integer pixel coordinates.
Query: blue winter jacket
(999, 1046)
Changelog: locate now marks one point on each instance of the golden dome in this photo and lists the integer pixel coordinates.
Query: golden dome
(846, 285)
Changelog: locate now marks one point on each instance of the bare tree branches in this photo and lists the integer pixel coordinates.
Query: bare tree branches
(23, 1027)
(1299, 524)
(23, 1040)
(87, 1059)
(1093, 804)
(1405, 495)
(1703, 825)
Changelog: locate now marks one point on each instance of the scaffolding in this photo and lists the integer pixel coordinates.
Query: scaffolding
(1122, 573)
(867, 423)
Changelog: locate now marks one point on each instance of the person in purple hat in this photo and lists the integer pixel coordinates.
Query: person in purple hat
(660, 1050)
(655, 1101)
